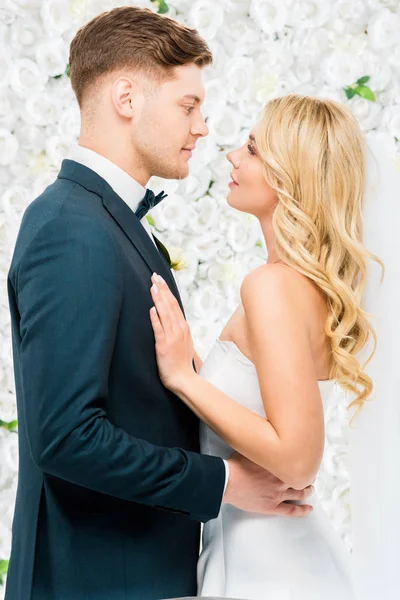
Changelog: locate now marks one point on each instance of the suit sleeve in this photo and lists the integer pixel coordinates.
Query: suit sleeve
(69, 290)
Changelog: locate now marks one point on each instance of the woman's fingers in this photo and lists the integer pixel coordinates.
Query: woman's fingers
(159, 334)
(166, 296)
(163, 310)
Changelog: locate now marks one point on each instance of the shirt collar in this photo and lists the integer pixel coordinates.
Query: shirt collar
(123, 184)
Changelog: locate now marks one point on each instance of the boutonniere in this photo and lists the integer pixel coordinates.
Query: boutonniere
(173, 256)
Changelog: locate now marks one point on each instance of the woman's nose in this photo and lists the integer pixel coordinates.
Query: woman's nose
(233, 158)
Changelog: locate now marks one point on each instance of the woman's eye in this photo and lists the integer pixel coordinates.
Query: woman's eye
(251, 149)
(189, 109)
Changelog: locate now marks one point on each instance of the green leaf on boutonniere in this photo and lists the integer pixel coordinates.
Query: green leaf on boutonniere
(163, 251)
(150, 220)
(162, 6)
(67, 70)
(3, 569)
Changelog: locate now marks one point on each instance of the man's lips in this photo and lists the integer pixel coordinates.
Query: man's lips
(189, 150)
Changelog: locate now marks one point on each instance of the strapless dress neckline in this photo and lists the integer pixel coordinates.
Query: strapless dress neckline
(243, 358)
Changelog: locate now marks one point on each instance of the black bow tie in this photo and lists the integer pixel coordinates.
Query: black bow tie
(149, 201)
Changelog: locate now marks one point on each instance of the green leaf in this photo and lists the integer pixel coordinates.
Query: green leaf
(67, 70)
(350, 92)
(363, 80)
(162, 6)
(3, 569)
(150, 220)
(365, 92)
(9, 425)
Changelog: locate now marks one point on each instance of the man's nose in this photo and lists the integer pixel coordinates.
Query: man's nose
(200, 128)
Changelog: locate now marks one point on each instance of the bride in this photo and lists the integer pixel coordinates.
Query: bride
(299, 328)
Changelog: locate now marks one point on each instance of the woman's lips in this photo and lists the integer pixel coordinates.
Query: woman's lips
(232, 183)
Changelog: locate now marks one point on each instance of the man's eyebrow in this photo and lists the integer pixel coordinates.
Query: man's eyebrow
(193, 97)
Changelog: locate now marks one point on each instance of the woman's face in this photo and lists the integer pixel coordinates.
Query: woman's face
(249, 191)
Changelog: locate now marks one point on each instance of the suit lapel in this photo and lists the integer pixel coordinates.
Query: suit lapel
(139, 237)
(124, 217)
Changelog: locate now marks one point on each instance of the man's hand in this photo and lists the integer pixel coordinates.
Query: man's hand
(252, 489)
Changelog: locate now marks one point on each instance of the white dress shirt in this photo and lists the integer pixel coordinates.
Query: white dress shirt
(126, 187)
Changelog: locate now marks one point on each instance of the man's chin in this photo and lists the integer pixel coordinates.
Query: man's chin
(178, 173)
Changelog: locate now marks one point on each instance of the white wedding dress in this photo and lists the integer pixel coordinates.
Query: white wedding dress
(257, 557)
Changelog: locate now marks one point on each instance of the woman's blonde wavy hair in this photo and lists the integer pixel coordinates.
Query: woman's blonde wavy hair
(313, 153)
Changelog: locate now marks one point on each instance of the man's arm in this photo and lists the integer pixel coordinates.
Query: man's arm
(69, 292)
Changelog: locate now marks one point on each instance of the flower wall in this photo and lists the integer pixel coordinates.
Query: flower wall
(262, 49)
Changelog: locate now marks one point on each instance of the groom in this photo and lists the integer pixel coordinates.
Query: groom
(112, 488)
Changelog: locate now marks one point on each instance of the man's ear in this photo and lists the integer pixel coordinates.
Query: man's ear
(126, 97)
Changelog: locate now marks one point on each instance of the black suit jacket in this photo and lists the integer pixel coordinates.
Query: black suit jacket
(111, 486)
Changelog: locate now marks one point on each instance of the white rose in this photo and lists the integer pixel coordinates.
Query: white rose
(5, 65)
(215, 100)
(208, 302)
(205, 246)
(220, 56)
(270, 15)
(70, 121)
(341, 69)
(327, 92)
(225, 127)
(391, 120)
(195, 185)
(5, 176)
(25, 4)
(9, 109)
(41, 109)
(243, 233)
(204, 333)
(25, 34)
(310, 44)
(187, 276)
(309, 13)
(59, 148)
(8, 147)
(352, 16)
(368, 113)
(239, 75)
(172, 214)
(207, 17)
(5, 540)
(349, 43)
(26, 76)
(9, 451)
(31, 137)
(207, 215)
(237, 7)
(383, 29)
(265, 84)
(240, 36)
(381, 73)
(14, 200)
(8, 408)
(52, 57)
(56, 16)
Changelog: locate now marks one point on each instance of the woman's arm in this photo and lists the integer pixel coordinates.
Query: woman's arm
(197, 361)
(290, 443)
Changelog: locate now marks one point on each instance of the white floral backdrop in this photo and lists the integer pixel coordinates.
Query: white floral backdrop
(262, 49)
